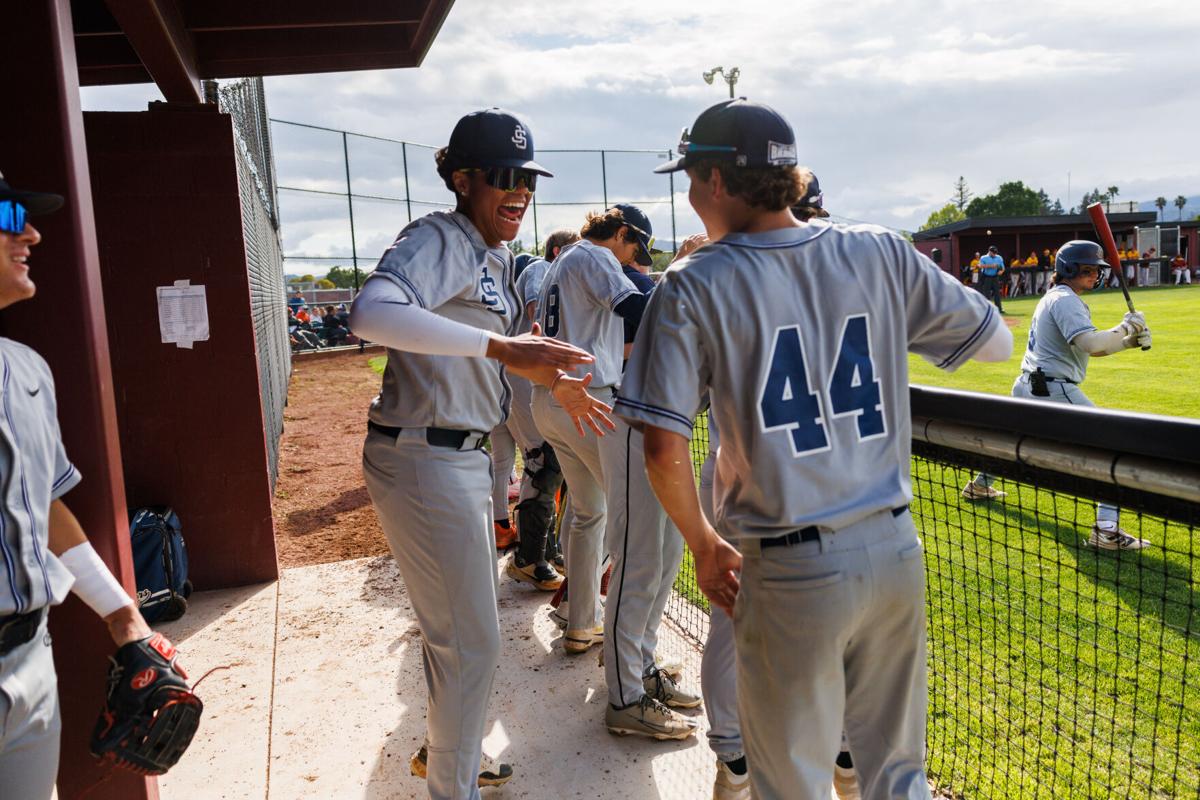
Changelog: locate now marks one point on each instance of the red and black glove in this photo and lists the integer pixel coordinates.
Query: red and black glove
(150, 714)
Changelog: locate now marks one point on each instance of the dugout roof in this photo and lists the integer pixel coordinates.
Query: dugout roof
(176, 43)
(982, 225)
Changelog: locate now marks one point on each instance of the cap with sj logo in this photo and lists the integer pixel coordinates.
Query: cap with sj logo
(494, 138)
(747, 133)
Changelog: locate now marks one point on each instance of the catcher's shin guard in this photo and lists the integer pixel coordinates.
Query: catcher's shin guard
(535, 512)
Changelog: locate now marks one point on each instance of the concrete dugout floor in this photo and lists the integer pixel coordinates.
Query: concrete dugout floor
(325, 698)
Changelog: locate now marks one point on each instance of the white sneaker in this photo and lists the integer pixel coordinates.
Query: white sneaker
(729, 785)
(973, 491)
(1115, 540)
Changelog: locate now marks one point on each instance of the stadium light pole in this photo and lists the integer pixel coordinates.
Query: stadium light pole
(731, 77)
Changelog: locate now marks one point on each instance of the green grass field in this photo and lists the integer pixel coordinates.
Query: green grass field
(1162, 380)
(1056, 670)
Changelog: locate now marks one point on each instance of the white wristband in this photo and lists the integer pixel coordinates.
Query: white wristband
(94, 583)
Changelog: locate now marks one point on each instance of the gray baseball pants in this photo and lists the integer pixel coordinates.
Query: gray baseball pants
(1060, 392)
(646, 550)
(718, 666)
(30, 723)
(832, 630)
(434, 505)
(504, 456)
(579, 458)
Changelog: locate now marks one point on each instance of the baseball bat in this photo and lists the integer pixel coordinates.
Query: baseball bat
(1104, 231)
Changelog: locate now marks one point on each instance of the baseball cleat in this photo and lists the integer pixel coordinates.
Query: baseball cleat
(662, 687)
(505, 537)
(1115, 540)
(491, 772)
(650, 718)
(540, 575)
(578, 640)
(973, 491)
(559, 563)
(729, 785)
(845, 783)
(558, 616)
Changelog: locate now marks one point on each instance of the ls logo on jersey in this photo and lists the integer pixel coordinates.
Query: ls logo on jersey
(519, 138)
(488, 295)
(788, 403)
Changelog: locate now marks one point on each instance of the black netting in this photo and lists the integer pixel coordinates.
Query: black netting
(1056, 669)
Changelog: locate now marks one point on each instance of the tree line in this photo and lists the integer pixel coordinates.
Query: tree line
(1015, 199)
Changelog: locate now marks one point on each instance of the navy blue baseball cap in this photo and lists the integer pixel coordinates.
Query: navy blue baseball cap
(636, 219)
(813, 200)
(747, 133)
(34, 202)
(494, 138)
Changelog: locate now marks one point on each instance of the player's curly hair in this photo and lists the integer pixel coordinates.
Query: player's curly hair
(601, 226)
(449, 163)
(768, 188)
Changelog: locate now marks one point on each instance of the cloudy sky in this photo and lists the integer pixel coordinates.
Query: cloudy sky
(891, 102)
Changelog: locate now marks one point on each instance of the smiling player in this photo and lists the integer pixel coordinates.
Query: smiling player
(444, 302)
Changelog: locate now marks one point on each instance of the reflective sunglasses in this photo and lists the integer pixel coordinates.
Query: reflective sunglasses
(687, 146)
(508, 179)
(12, 217)
(640, 235)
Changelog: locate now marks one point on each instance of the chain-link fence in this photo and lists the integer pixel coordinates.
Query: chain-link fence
(344, 196)
(246, 103)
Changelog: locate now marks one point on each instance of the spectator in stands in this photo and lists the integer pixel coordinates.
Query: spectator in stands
(332, 330)
(991, 267)
(1180, 270)
(302, 315)
(295, 301)
(1045, 263)
(343, 315)
(1144, 267)
(1014, 277)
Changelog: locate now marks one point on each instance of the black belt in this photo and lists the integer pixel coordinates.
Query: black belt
(810, 534)
(1053, 380)
(18, 629)
(437, 437)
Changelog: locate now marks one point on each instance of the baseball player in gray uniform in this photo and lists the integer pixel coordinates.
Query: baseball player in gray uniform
(718, 669)
(443, 301)
(1061, 340)
(810, 392)
(43, 550)
(645, 550)
(583, 301)
(537, 551)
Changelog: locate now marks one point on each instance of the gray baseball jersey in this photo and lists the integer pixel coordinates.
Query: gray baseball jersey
(443, 265)
(802, 335)
(1060, 316)
(34, 470)
(529, 283)
(583, 281)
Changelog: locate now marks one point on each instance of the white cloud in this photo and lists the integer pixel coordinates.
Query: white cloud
(891, 101)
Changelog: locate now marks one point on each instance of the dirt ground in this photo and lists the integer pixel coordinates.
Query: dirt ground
(322, 511)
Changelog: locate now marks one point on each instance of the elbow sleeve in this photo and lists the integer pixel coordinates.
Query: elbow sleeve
(383, 313)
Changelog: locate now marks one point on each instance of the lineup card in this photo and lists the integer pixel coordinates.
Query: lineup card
(182, 314)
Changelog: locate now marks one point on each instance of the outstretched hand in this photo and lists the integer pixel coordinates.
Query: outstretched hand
(531, 352)
(572, 395)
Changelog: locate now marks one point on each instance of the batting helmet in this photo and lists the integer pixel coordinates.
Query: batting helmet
(1075, 254)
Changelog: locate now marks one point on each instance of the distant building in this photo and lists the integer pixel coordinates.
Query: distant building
(1018, 236)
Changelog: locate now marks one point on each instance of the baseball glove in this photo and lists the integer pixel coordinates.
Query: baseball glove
(150, 714)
